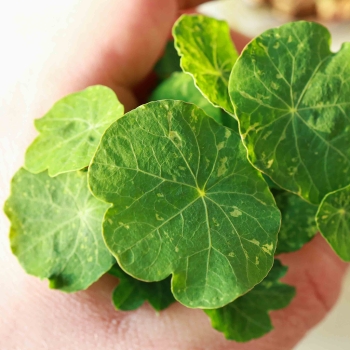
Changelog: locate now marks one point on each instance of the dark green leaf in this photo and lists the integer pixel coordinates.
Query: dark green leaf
(169, 63)
(132, 293)
(56, 229)
(248, 317)
(333, 221)
(291, 95)
(70, 132)
(208, 54)
(298, 222)
(186, 202)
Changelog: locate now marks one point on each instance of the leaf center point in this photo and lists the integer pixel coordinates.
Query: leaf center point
(201, 192)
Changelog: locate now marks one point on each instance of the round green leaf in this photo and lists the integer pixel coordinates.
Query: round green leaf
(208, 54)
(56, 229)
(298, 222)
(70, 132)
(248, 317)
(186, 202)
(333, 221)
(291, 97)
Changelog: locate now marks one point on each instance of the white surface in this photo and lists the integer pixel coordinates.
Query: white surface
(334, 332)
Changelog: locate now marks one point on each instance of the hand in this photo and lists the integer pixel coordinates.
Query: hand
(116, 43)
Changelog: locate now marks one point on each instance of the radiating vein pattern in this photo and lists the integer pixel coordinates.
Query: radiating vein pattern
(292, 100)
(56, 229)
(186, 202)
(208, 54)
(333, 221)
(71, 131)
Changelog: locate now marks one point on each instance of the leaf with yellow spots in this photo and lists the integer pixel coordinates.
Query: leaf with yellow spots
(291, 96)
(71, 131)
(56, 229)
(248, 317)
(174, 177)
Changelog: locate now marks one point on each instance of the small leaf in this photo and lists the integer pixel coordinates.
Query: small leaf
(169, 62)
(298, 222)
(291, 97)
(208, 54)
(70, 132)
(180, 86)
(248, 317)
(56, 229)
(186, 202)
(131, 293)
(333, 221)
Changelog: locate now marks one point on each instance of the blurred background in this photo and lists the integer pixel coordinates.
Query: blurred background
(30, 33)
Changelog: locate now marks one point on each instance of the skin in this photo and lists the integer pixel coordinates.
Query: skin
(118, 46)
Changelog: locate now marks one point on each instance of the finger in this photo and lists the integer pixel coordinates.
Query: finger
(110, 42)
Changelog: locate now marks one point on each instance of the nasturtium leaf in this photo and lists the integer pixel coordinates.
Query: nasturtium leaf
(186, 202)
(56, 229)
(333, 221)
(248, 317)
(298, 222)
(291, 97)
(180, 86)
(131, 293)
(168, 63)
(70, 132)
(208, 54)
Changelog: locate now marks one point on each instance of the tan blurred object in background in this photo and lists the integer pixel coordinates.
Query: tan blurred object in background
(328, 10)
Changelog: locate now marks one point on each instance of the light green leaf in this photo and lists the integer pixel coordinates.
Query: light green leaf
(180, 86)
(186, 202)
(208, 54)
(248, 317)
(56, 229)
(70, 132)
(298, 222)
(131, 293)
(333, 221)
(169, 62)
(291, 97)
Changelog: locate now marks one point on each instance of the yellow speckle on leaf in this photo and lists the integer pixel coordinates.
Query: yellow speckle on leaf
(221, 145)
(254, 241)
(159, 218)
(267, 248)
(269, 163)
(222, 168)
(236, 212)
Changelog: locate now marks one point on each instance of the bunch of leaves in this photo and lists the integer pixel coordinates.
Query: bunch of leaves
(182, 198)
